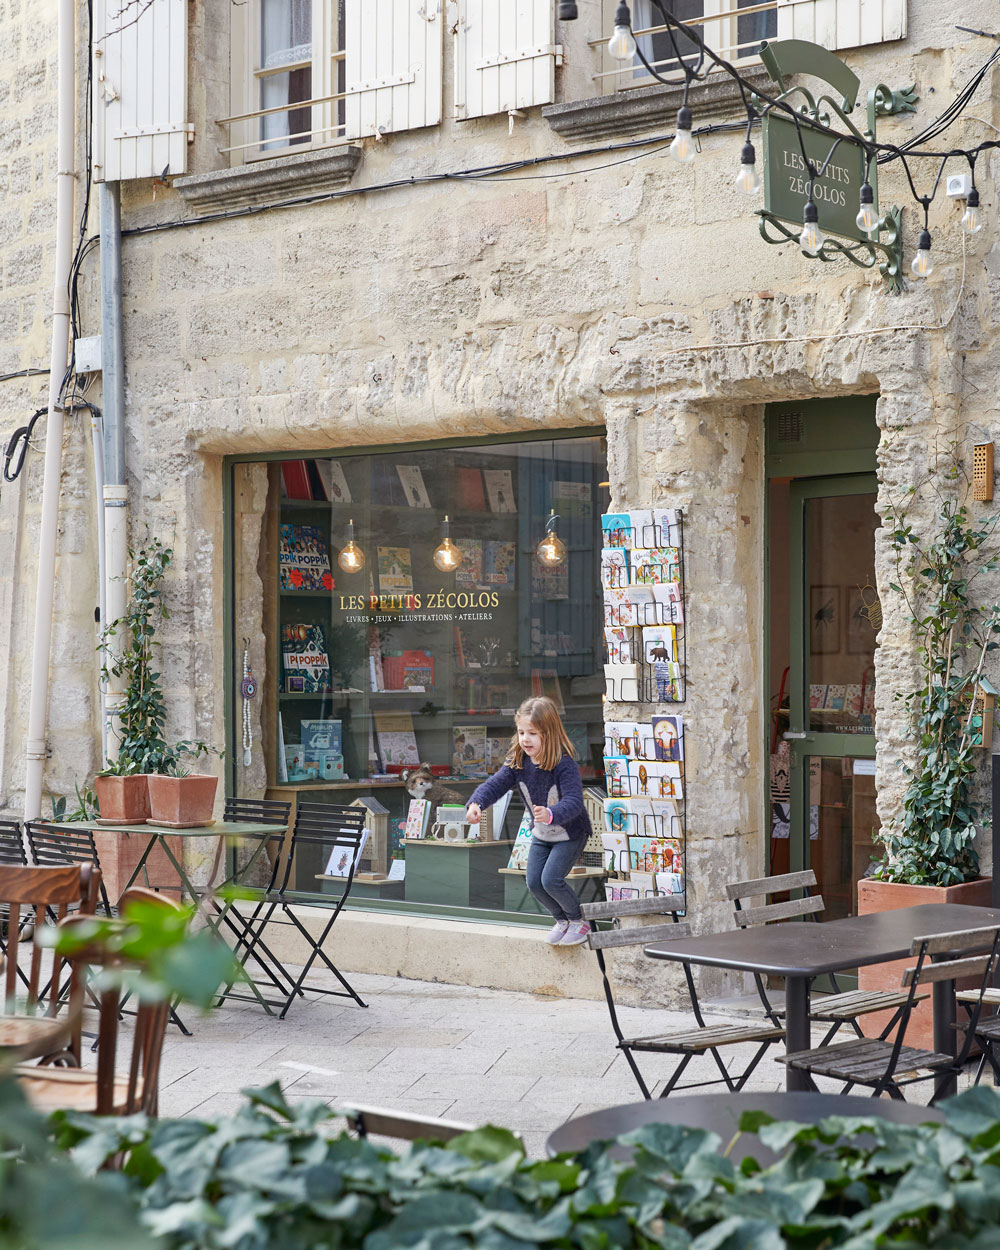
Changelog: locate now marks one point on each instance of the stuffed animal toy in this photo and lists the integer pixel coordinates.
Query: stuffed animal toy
(421, 783)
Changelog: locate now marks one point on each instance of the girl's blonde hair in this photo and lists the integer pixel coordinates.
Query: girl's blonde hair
(543, 716)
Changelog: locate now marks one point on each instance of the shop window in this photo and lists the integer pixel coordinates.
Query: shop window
(383, 654)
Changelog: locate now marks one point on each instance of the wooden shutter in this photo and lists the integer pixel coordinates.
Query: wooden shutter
(842, 23)
(140, 89)
(505, 55)
(393, 58)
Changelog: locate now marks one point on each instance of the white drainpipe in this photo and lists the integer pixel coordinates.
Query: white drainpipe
(42, 640)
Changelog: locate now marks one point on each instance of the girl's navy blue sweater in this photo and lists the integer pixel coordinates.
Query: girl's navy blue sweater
(559, 789)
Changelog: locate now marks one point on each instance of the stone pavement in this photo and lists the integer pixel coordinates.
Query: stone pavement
(483, 1056)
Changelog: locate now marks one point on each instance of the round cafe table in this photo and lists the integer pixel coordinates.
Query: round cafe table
(30, 1037)
(720, 1113)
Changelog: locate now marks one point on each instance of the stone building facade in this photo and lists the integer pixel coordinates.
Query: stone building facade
(611, 290)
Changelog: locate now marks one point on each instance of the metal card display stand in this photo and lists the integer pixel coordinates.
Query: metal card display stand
(645, 680)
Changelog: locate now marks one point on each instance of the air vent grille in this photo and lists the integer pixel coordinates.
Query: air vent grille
(790, 427)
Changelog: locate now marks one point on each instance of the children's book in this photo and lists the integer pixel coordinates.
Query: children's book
(549, 581)
(668, 737)
(303, 559)
(295, 479)
(468, 751)
(334, 483)
(418, 670)
(852, 699)
(304, 658)
(294, 762)
(418, 817)
(499, 563)
(817, 696)
(322, 748)
(573, 500)
(616, 530)
(397, 743)
(345, 859)
(470, 571)
(500, 490)
(395, 572)
(835, 698)
(469, 495)
(496, 751)
(498, 815)
(413, 485)
(659, 642)
(522, 844)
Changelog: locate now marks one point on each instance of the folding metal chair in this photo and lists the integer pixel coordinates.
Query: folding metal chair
(881, 1064)
(325, 826)
(838, 1007)
(52, 845)
(702, 1038)
(264, 812)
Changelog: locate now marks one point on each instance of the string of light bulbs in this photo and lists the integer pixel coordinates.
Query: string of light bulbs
(623, 47)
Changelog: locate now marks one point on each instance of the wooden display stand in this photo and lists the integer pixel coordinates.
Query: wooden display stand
(455, 874)
(586, 883)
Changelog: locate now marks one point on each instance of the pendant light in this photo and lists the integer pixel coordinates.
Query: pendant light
(551, 550)
(447, 556)
(351, 558)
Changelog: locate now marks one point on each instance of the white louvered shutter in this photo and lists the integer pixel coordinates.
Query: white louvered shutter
(505, 56)
(393, 57)
(140, 89)
(842, 23)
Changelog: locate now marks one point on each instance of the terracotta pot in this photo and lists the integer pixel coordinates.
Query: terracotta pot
(182, 802)
(874, 896)
(124, 799)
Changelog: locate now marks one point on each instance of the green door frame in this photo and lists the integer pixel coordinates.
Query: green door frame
(804, 742)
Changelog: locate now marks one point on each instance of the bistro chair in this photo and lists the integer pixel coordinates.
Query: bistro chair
(103, 1092)
(887, 1067)
(837, 1007)
(263, 812)
(52, 844)
(319, 828)
(377, 1121)
(688, 1043)
(988, 1029)
(30, 896)
(13, 852)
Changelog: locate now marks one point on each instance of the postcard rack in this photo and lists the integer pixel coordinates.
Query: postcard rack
(645, 823)
(642, 576)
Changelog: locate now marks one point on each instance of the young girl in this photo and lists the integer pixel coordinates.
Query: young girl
(541, 767)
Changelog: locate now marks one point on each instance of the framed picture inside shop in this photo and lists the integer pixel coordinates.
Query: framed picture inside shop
(406, 614)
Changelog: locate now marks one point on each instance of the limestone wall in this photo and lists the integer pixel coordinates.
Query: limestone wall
(617, 290)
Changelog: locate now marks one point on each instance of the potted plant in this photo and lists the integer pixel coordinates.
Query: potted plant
(122, 794)
(929, 845)
(146, 763)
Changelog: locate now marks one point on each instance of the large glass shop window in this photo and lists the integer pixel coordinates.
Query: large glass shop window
(406, 614)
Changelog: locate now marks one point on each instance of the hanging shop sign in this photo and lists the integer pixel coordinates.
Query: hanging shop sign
(823, 180)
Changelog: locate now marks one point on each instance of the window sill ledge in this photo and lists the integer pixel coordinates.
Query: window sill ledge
(648, 108)
(262, 182)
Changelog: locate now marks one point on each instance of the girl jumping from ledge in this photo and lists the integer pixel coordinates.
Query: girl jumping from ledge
(541, 767)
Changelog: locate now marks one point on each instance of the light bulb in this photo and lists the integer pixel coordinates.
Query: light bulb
(447, 557)
(867, 218)
(682, 148)
(971, 222)
(747, 180)
(811, 239)
(551, 550)
(351, 558)
(621, 45)
(923, 265)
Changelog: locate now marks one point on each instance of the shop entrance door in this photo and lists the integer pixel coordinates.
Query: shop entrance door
(831, 683)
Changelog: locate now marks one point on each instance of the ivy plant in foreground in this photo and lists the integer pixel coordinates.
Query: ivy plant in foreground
(271, 1179)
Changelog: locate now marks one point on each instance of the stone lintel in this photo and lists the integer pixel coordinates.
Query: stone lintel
(261, 182)
(648, 108)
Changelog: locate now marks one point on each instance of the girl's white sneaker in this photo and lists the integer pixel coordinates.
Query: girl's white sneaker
(557, 932)
(577, 932)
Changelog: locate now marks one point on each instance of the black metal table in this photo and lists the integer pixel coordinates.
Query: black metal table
(720, 1113)
(799, 952)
